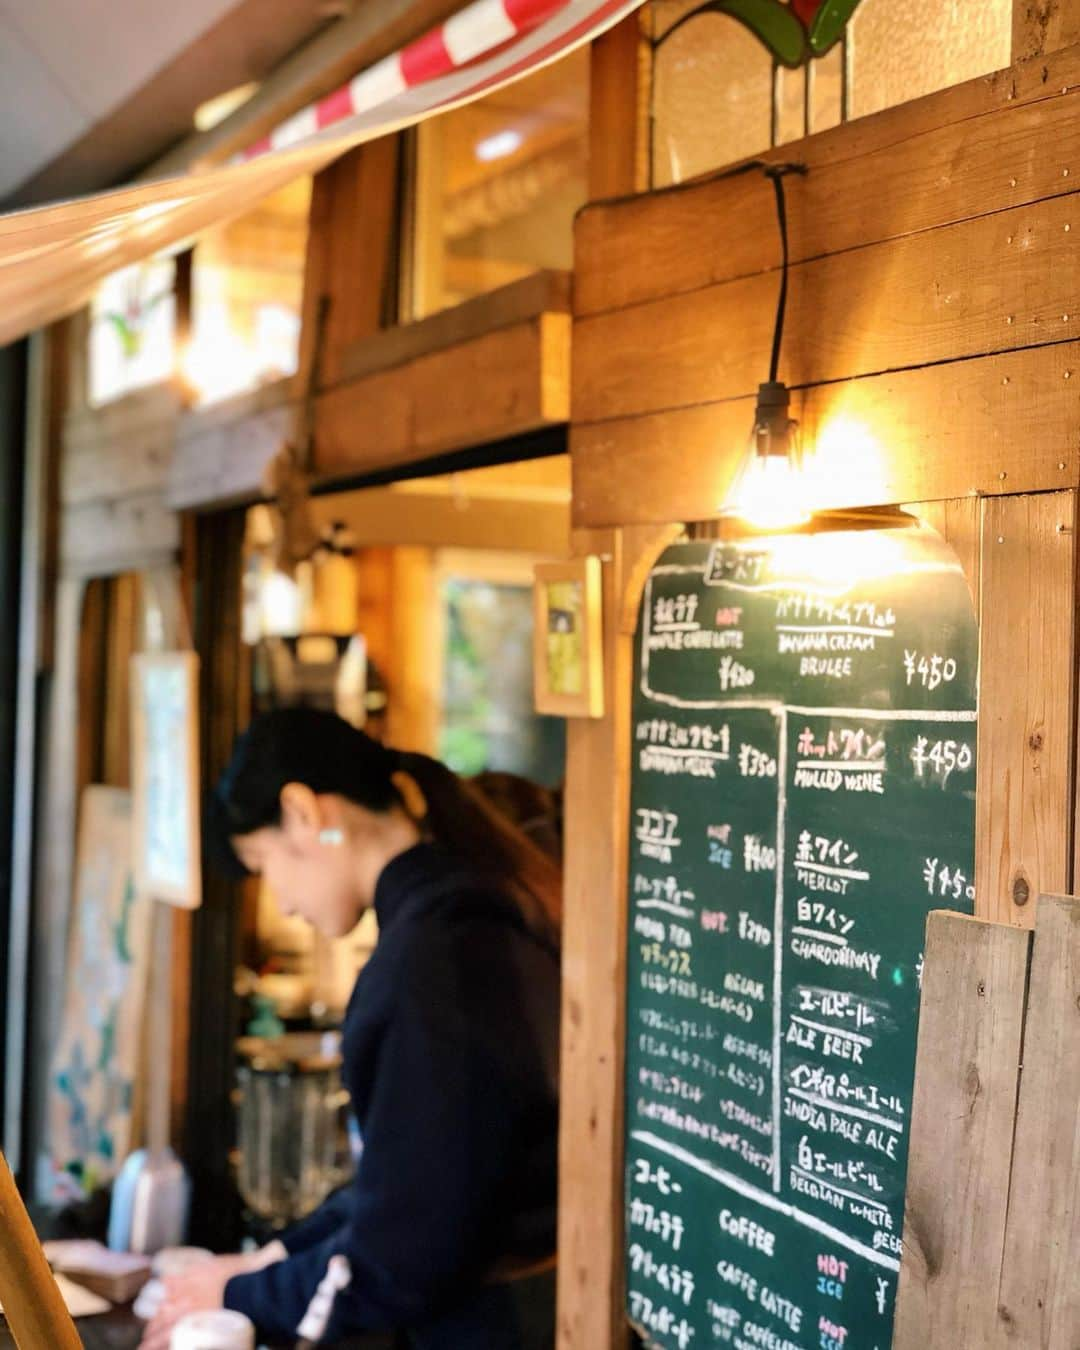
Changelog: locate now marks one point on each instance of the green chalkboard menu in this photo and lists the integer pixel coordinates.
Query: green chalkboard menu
(803, 791)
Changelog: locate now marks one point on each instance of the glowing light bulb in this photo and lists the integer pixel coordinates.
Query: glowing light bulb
(769, 491)
(770, 494)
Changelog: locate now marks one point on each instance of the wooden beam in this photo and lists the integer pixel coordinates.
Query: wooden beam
(383, 517)
(1043, 26)
(413, 694)
(593, 993)
(591, 1304)
(1039, 1303)
(1027, 660)
(996, 283)
(221, 454)
(431, 406)
(129, 534)
(119, 449)
(404, 395)
(1014, 132)
(546, 292)
(967, 1069)
(993, 425)
(620, 86)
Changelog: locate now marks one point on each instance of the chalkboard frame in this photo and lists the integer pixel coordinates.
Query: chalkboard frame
(647, 569)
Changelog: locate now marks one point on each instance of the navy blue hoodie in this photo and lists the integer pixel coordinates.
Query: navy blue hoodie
(450, 1055)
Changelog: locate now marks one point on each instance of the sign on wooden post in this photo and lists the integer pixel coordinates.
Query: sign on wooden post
(802, 793)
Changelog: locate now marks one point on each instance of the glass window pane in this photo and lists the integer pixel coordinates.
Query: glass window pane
(247, 289)
(488, 719)
(132, 330)
(902, 49)
(825, 101)
(713, 95)
(497, 185)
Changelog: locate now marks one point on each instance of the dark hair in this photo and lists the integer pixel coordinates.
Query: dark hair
(329, 755)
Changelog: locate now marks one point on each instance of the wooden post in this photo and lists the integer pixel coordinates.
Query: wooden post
(351, 253)
(591, 1294)
(620, 89)
(1027, 659)
(32, 1303)
(1044, 26)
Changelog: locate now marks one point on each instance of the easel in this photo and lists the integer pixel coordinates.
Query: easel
(33, 1305)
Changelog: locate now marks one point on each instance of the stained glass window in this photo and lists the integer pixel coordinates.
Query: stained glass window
(132, 330)
(740, 76)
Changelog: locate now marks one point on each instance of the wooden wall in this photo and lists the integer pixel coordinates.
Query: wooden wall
(933, 342)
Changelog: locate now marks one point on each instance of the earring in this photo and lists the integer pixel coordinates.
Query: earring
(332, 838)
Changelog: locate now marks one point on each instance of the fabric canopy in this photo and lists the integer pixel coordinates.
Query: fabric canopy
(52, 257)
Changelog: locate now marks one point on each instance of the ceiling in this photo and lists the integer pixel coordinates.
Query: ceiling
(91, 90)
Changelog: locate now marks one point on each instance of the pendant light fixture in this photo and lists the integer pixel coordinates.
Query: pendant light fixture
(769, 490)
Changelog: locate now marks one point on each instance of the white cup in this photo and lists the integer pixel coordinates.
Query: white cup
(217, 1330)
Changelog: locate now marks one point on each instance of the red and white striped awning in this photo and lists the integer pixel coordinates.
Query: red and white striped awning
(51, 257)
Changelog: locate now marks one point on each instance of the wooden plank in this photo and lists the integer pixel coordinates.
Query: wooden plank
(591, 1304)
(389, 518)
(620, 86)
(431, 405)
(542, 293)
(354, 214)
(218, 464)
(1039, 1303)
(392, 396)
(103, 538)
(33, 1305)
(414, 696)
(594, 938)
(86, 427)
(991, 425)
(1025, 742)
(1014, 133)
(967, 1069)
(988, 285)
(105, 467)
(122, 638)
(1043, 26)
(424, 278)
(959, 522)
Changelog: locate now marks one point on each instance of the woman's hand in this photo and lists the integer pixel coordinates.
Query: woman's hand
(197, 1290)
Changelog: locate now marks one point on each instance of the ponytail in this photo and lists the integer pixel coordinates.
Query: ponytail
(461, 820)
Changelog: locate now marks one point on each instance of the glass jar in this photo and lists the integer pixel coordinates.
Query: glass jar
(292, 1120)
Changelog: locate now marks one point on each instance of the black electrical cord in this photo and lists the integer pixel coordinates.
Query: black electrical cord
(775, 173)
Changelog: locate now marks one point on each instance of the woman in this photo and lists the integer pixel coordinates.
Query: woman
(444, 1238)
